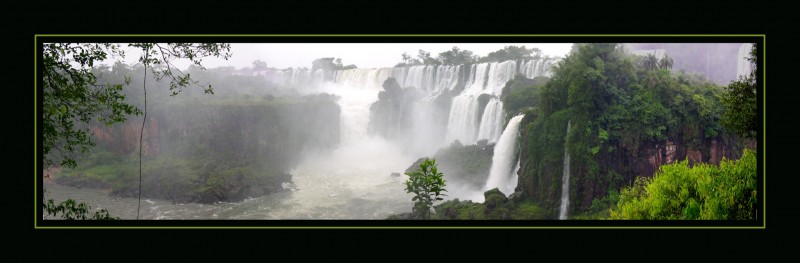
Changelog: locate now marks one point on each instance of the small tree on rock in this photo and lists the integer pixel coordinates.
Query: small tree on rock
(427, 185)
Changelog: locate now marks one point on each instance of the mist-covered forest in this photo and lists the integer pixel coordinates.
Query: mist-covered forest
(602, 131)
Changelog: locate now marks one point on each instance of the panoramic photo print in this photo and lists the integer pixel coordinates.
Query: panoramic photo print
(527, 132)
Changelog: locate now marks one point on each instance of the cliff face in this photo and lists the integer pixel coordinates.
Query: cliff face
(645, 162)
(124, 138)
(393, 116)
(275, 135)
(278, 133)
(211, 151)
(390, 116)
(467, 165)
(620, 167)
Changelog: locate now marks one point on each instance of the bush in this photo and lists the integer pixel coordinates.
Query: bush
(677, 191)
(71, 210)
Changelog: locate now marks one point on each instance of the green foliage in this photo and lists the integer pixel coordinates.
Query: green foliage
(330, 64)
(71, 94)
(521, 93)
(704, 191)
(494, 198)
(460, 210)
(71, 210)
(73, 97)
(501, 210)
(427, 186)
(527, 211)
(466, 164)
(160, 58)
(423, 58)
(409, 61)
(604, 203)
(615, 105)
(512, 53)
(426, 59)
(189, 153)
(200, 177)
(650, 62)
(741, 100)
(666, 62)
(456, 56)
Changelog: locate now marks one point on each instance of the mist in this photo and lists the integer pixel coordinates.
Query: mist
(718, 62)
(284, 138)
(377, 55)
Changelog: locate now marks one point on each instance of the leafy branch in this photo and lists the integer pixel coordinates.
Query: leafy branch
(427, 185)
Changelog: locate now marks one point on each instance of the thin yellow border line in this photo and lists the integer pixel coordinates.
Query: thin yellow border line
(764, 127)
(384, 227)
(36, 161)
(396, 35)
(35, 135)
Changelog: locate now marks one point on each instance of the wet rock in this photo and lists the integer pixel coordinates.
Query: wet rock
(482, 143)
(494, 198)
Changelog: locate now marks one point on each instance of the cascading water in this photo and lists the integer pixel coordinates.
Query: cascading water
(354, 116)
(499, 74)
(537, 67)
(565, 181)
(500, 175)
(492, 121)
(464, 121)
(743, 67)
(467, 120)
(353, 181)
(447, 77)
(423, 140)
(514, 176)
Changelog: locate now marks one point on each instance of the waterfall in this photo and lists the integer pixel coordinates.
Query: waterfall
(514, 176)
(565, 180)
(499, 74)
(354, 103)
(463, 121)
(463, 124)
(492, 121)
(536, 67)
(500, 175)
(423, 140)
(477, 81)
(447, 77)
(742, 64)
(416, 77)
(486, 78)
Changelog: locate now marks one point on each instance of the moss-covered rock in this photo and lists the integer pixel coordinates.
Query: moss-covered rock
(218, 149)
(461, 164)
(496, 207)
(494, 198)
(390, 116)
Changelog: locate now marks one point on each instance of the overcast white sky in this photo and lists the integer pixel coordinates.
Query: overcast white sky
(362, 55)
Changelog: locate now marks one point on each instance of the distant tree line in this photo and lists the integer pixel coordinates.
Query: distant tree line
(457, 56)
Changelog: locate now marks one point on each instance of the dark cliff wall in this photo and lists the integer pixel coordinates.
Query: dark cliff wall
(211, 150)
(541, 171)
